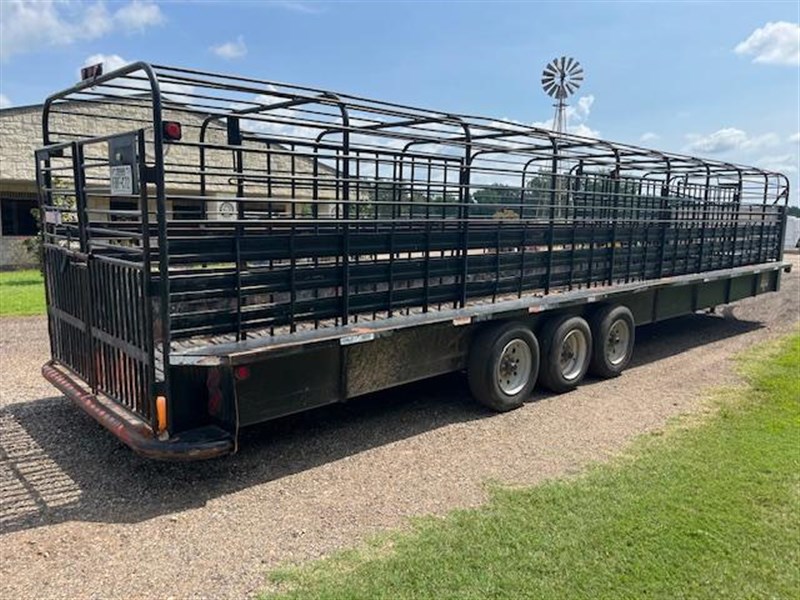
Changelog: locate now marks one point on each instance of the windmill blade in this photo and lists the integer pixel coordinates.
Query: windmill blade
(551, 70)
(578, 73)
(561, 64)
(574, 68)
(548, 88)
(570, 61)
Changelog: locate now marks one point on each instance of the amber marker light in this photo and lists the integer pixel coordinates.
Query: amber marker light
(161, 414)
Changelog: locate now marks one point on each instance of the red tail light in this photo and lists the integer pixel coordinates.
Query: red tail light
(172, 131)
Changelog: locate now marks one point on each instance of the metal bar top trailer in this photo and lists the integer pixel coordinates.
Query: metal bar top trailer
(222, 250)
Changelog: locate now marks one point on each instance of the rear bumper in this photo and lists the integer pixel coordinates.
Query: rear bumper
(196, 444)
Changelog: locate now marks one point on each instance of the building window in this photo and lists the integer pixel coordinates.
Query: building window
(17, 213)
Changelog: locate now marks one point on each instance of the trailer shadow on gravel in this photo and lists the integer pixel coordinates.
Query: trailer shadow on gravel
(57, 465)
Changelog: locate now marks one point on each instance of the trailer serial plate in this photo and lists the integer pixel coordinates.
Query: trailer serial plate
(121, 180)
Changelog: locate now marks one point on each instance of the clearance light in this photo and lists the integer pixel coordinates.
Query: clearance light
(172, 131)
(91, 72)
(242, 373)
(161, 414)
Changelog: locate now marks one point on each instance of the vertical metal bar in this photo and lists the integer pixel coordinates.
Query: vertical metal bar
(551, 224)
(615, 207)
(238, 168)
(292, 234)
(634, 200)
(573, 185)
(79, 181)
(464, 203)
(86, 309)
(345, 178)
(593, 231)
(704, 223)
(147, 291)
(427, 282)
(763, 220)
(44, 183)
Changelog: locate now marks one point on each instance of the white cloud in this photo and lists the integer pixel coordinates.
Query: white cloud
(96, 22)
(649, 136)
(785, 163)
(773, 44)
(27, 25)
(138, 16)
(582, 109)
(231, 50)
(583, 130)
(110, 62)
(795, 138)
(297, 6)
(5, 102)
(728, 139)
(577, 116)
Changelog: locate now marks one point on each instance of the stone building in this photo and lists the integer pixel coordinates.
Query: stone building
(20, 134)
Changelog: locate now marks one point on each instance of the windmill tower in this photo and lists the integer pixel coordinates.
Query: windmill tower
(560, 79)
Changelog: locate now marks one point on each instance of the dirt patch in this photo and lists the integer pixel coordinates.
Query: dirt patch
(81, 516)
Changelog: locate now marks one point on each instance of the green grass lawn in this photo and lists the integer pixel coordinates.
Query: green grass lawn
(708, 510)
(21, 293)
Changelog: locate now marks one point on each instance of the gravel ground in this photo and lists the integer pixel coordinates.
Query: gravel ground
(82, 517)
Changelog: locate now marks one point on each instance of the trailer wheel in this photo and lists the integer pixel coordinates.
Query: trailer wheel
(503, 366)
(614, 332)
(566, 352)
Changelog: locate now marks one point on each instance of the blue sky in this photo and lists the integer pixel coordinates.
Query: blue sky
(713, 79)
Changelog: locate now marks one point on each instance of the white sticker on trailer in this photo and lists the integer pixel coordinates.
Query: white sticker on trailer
(52, 216)
(356, 339)
(121, 180)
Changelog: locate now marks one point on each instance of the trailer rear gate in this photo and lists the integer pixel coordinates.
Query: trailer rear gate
(220, 250)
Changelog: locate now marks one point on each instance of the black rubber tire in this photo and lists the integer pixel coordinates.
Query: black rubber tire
(553, 335)
(602, 321)
(485, 352)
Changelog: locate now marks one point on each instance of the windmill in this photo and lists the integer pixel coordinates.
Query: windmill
(560, 79)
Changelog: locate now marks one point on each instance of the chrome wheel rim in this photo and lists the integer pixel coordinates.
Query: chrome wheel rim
(514, 367)
(619, 336)
(572, 358)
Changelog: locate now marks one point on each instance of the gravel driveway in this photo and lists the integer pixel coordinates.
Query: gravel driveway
(81, 516)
